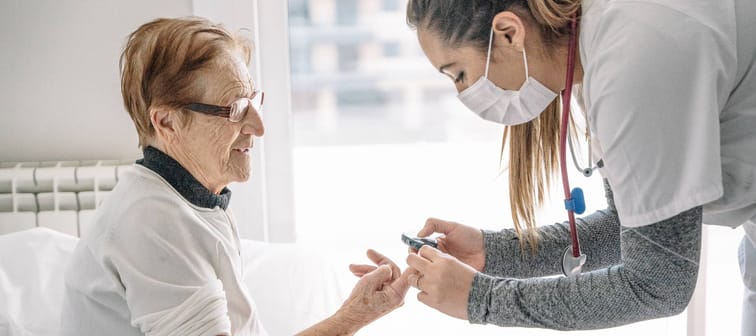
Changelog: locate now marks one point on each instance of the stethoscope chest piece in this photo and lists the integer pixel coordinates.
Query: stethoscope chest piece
(571, 265)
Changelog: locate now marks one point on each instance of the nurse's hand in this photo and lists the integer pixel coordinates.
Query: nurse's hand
(444, 282)
(461, 241)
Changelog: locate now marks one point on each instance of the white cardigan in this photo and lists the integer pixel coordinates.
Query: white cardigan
(156, 264)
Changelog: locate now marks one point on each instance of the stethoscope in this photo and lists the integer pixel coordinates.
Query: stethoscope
(574, 200)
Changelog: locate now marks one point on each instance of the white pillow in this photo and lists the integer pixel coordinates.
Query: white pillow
(32, 263)
(293, 287)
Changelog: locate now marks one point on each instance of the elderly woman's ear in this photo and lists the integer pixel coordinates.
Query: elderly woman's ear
(166, 123)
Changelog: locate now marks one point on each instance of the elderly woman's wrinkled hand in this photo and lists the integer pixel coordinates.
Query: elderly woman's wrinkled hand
(380, 290)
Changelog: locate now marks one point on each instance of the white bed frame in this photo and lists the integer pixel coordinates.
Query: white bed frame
(60, 195)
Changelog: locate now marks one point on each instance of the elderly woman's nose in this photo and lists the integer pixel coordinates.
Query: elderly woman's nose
(253, 124)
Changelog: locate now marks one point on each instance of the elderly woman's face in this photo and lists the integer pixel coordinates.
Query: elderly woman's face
(217, 148)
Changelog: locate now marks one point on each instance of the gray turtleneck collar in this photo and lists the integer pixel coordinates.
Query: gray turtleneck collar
(181, 180)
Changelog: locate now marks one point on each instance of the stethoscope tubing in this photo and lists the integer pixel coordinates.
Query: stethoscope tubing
(566, 97)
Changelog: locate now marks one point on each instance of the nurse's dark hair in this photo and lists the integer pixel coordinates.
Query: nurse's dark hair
(533, 146)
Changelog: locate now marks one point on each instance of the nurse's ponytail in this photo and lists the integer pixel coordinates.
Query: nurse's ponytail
(533, 146)
(554, 14)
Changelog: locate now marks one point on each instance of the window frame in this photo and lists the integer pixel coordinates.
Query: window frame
(264, 205)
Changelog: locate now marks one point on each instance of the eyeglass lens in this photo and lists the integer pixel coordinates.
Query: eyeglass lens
(240, 108)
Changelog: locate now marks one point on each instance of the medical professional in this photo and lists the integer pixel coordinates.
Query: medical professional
(668, 91)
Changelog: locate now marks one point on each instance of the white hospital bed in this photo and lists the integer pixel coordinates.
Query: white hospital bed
(45, 207)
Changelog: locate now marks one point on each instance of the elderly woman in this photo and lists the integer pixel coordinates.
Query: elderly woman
(163, 257)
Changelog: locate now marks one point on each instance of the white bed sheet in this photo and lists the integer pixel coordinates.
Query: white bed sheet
(31, 281)
(293, 287)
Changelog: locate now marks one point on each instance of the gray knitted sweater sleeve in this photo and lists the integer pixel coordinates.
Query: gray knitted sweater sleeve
(599, 239)
(654, 277)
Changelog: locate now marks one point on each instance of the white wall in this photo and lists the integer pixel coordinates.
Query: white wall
(60, 96)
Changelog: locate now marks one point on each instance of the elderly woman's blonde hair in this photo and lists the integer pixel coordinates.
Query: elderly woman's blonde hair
(161, 62)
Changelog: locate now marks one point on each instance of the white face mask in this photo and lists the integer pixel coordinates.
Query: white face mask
(507, 107)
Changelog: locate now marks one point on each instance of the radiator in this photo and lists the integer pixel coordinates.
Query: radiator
(62, 196)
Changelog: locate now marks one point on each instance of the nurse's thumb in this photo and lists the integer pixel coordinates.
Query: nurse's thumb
(433, 225)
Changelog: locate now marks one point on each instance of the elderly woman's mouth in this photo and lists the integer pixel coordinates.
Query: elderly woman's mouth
(242, 150)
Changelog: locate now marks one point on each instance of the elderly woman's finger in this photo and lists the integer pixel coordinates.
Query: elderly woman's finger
(398, 289)
(380, 259)
(377, 278)
(360, 270)
(403, 283)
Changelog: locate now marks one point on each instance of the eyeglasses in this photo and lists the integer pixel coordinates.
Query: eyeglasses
(236, 111)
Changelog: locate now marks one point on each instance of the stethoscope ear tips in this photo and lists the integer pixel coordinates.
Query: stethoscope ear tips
(587, 172)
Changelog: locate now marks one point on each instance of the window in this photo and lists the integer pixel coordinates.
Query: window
(382, 143)
(346, 12)
(298, 12)
(392, 5)
(391, 49)
(348, 57)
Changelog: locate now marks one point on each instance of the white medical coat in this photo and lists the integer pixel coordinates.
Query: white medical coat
(670, 92)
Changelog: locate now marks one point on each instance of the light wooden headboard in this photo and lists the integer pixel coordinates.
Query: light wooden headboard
(58, 195)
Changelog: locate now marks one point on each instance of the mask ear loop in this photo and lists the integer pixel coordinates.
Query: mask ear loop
(525, 60)
(488, 57)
